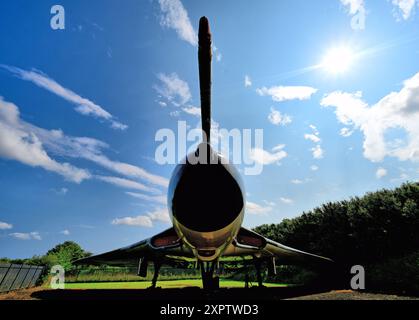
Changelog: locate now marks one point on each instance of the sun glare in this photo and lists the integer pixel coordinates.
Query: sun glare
(338, 60)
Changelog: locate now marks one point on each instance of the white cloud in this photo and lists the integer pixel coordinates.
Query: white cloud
(286, 200)
(139, 221)
(23, 145)
(318, 152)
(83, 106)
(65, 232)
(381, 172)
(282, 93)
(402, 178)
(26, 143)
(269, 203)
(146, 220)
(217, 53)
(314, 168)
(35, 236)
(314, 128)
(129, 170)
(247, 81)
(299, 181)
(174, 89)
(350, 109)
(91, 149)
(277, 118)
(26, 236)
(265, 157)
(405, 7)
(61, 191)
(194, 111)
(390, 126)
(312, 137)
(161, 215)
(279, 147)
(257, 209)
(175, 16)
(345, 132)
(5, 225)
(128, 184)
(354, 6)
(156, 199)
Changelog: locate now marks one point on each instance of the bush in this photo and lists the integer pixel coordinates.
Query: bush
(397, 275)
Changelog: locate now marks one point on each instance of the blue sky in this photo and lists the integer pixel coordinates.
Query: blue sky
(80, 108)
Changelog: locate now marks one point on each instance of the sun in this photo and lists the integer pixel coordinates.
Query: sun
(338, 60)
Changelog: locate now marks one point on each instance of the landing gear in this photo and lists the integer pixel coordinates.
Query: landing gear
(246, 281)
(209, 282)
(258, 266)
(157, 266)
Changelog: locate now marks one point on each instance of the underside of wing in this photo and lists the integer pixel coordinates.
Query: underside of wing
(165, 247)
(249, 243)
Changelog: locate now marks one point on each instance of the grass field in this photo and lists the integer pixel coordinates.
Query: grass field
(162, 284)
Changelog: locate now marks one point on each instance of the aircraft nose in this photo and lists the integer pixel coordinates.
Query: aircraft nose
(205, 197)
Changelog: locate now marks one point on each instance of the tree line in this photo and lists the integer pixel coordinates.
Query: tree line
(368, 229)
(379, 231)
(62, 254)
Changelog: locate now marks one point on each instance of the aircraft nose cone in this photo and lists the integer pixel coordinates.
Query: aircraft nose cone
(205, 197)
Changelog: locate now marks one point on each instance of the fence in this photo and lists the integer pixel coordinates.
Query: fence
(18, 276)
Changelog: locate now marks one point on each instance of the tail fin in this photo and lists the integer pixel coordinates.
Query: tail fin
(204, 59)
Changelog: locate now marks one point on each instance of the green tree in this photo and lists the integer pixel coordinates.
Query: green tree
(64, 253)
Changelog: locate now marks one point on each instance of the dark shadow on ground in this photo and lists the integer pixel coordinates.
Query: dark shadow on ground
(184, 294)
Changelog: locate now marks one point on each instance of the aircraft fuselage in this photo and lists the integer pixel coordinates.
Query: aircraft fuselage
(206, 204)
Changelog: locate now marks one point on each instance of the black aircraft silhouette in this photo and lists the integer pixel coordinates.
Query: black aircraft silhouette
(206, 201)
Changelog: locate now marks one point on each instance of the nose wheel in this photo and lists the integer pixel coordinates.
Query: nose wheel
(209, 282)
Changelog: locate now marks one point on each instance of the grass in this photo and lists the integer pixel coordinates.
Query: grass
(163, 284)
(124, 277)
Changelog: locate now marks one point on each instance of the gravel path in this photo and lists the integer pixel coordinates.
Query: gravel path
(352, 295)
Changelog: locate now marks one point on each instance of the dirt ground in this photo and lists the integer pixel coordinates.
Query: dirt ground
(351, 295)
(25, 294)
(41, 293)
